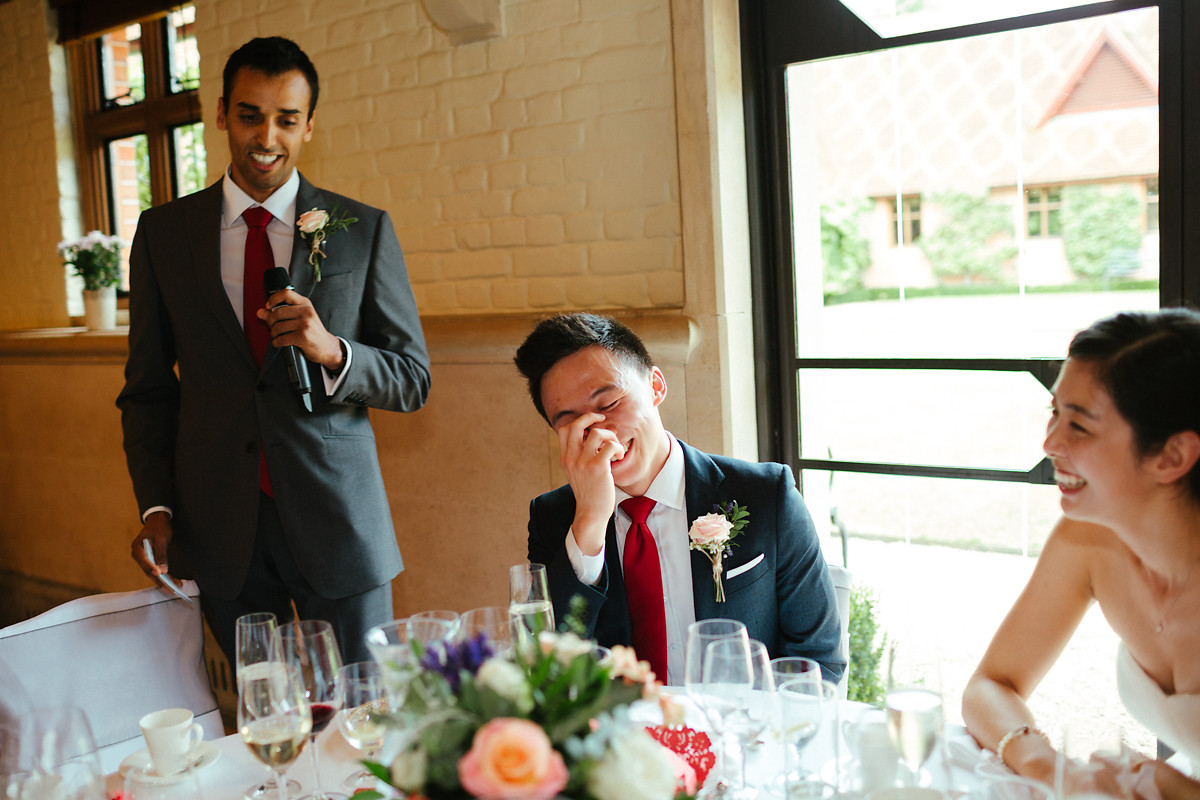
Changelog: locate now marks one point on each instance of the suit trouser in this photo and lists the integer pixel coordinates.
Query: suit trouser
(274, 583)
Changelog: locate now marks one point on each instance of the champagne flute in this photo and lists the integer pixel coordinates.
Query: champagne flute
(803, 727)
(700, 635)
(364, 698)
(256, 639)
(529, 605)
(274, 716)
(311, 647)
(914, 720)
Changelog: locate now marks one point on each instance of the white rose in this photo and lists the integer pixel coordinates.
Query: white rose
(408, 771)
(507, 680)
(635, 768)
(710, 529)
(565, 646)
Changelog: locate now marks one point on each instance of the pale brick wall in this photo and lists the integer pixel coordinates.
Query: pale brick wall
(34, 293)
(535, 171)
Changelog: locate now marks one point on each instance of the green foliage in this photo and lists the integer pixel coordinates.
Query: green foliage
(973, 241)
(96, 258)
(867, 645)
(844, 248)
(1099, 228)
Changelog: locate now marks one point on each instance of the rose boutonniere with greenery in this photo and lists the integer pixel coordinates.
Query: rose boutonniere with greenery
(713, 535)
(316, 226)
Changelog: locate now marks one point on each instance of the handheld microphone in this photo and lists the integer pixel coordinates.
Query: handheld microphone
(275, 280)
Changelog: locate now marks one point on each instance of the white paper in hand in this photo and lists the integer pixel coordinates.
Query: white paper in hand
(165, 579)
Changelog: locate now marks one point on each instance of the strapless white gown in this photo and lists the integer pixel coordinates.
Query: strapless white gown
(1174, 719)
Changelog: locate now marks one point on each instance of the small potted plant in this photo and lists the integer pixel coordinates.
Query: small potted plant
(97, 259)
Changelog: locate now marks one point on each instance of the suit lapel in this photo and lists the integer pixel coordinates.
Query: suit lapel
(204, 243)
(701, 490)
(301, 272)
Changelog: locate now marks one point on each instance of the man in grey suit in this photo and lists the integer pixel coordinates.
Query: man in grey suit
(262, 501)
(592, 379)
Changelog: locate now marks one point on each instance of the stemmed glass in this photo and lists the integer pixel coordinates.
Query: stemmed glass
(256, 639)
(493, 622)
(806, 704)
(728, 657)
(391, 647)
(440, 615)
(529, 607)
(364, 697)
(701, 634)
(1093, 762)
(50, 753)
(311, 647)
(143, 783)
(274, 716)
(798, 731)
(914, 721)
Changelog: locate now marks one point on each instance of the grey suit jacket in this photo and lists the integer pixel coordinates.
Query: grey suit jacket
(196, 411)
(785, 599)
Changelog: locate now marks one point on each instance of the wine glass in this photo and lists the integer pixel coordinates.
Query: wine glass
(50, 753)
(755, 707)
(700, 635)
(274, 716)
(364, 697)
(1093, 761)
(311, 647)
(914, 721)
(788, 669)
(256, 639)
(493, 622)
(529, 607)
(441, 615)
(391, 645)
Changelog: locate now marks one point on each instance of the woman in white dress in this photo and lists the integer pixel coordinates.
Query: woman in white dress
(1124, 437)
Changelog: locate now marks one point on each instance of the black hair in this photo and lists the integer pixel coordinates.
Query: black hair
(272, 56)
(557, 337)
(1149, 363)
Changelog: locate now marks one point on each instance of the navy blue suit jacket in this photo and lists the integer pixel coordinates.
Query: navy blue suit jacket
(786, 600)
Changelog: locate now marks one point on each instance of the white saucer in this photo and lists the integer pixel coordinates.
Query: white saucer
(206, 754)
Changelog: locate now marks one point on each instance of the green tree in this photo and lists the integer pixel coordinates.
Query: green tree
(844, 248)
(973, 240)
(867, 645)
(1100, 229)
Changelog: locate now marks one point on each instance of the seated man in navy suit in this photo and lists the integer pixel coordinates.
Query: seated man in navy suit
(591, 378)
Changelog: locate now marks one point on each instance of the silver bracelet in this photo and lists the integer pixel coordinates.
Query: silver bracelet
(1007, 739)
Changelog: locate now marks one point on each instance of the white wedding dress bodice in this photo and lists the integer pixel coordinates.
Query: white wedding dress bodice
(1174, 718)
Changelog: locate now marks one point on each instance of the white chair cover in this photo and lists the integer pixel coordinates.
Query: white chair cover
(843, 579)
(118, 657)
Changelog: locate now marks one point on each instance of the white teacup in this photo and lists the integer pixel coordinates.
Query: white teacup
(171, 736)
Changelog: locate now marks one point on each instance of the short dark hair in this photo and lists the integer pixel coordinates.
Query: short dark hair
(272, 56)
(557, 337)
(1149, 363)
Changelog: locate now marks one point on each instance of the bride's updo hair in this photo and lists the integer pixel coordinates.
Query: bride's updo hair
(1149, 363)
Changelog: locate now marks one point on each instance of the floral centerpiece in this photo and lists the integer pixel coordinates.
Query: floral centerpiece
(552, 721)
(96, 258)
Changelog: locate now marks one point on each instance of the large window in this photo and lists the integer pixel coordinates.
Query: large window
(907, 386)
(139, 134)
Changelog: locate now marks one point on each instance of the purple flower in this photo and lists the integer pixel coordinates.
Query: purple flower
(451, 660)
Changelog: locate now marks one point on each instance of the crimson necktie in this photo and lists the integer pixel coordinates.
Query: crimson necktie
(259, 259)
(644, 587)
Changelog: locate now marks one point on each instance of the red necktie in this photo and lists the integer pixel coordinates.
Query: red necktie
(259, 259)
(644, 587)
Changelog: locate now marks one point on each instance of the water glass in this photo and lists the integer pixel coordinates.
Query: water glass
(1093, 761)
(493, 622)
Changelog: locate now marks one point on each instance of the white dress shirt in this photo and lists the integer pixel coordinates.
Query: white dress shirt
(669, 525)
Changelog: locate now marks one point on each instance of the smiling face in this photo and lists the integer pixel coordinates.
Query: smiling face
(1098, 470)
(267, 122)
(594, 380)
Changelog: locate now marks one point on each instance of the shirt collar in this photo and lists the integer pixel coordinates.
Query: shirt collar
(281, 203)
(667, 487)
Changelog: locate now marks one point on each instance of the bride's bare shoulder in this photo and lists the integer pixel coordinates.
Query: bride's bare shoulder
(1070, 535)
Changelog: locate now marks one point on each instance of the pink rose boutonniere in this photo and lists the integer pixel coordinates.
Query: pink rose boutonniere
(713, 535)
(316, 225)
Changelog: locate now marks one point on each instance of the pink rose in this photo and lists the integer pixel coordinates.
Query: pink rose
(710, 529)
(312, 221)
(512, 758)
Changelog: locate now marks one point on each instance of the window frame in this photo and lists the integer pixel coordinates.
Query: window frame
(775, 35)
(156, 116)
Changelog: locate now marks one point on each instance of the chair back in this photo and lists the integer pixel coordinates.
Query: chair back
(843, 579)
(117, 656)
